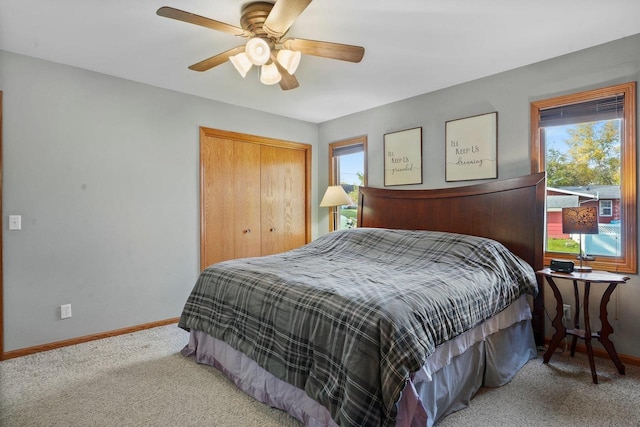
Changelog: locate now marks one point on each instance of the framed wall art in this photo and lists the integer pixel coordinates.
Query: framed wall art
(403, 157)
(471, 148)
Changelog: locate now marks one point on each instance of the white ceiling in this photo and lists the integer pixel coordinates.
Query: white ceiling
(411, 46)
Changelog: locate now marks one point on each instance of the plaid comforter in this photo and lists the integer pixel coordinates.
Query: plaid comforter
(350, 315)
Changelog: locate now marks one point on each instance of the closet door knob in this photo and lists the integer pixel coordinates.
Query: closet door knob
(272, 229)
(248, 230)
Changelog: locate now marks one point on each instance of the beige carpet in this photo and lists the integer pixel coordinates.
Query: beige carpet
(141, 379)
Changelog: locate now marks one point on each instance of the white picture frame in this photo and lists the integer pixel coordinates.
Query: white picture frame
(403, 157)
(471, 148)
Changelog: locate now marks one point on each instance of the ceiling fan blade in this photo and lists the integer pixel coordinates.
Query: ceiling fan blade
(180, 15)
(343, 52)
(216, 60)
(288, 81)
(282, 16)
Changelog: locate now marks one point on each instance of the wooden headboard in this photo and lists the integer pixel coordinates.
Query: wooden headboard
(510, 211)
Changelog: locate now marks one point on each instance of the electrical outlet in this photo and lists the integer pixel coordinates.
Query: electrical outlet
(65, 311)
(566, 312)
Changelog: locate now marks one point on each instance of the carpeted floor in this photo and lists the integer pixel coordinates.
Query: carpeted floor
(141, 379)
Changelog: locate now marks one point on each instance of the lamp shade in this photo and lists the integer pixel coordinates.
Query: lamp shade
(269, 74)
(289, 59)
(257, 51)
(241, 62)
(580, 220)
(335, 196)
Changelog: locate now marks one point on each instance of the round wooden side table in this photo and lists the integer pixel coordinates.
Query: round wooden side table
(585, 278)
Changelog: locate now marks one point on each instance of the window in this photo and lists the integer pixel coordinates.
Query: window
(586, 143)
(347, 167)
(606, 208)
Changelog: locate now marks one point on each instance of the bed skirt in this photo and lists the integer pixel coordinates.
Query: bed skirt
(487, 355)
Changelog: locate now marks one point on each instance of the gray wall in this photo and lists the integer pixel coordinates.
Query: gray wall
(509, 94)
(104, 172)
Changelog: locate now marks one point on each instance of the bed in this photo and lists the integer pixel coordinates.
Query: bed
(398, 322)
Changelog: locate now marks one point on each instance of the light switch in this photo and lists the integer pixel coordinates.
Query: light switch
(15, 222)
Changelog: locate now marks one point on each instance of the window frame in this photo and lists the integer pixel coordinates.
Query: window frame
(627, 263)
(334, 170)
(602, 207)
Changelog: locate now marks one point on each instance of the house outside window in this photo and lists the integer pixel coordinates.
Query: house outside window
(348, 168)
(586, 144)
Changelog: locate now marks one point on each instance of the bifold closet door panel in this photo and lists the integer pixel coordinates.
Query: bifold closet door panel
(272, 199)
(217, 201)
(294, 207)
(247, 210)
(283, 195)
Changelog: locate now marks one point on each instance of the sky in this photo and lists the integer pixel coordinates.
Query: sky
(350, 165)
(555, 137)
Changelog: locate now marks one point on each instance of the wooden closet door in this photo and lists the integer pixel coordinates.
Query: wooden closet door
(246, 190)
(283, 199)
(230, 200)
(216, 200)
(272, 200)
(295, 196)
(253, 195)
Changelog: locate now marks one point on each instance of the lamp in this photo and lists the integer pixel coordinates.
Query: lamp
(242, 63)
(258, 51)
(269, 74)
(289, 59)
(580, 220)
(333, 197)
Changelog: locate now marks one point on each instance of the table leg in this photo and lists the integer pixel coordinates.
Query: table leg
(587, 333)
(560, 332)
(576, 317)
(607, 329)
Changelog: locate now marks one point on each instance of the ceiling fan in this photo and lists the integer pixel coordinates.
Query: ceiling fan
(265, 24)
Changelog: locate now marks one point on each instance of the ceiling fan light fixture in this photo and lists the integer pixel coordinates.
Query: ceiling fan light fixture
(269, 74)
(258, 51)
(289, 59)
(264, 24)
(242, 63)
